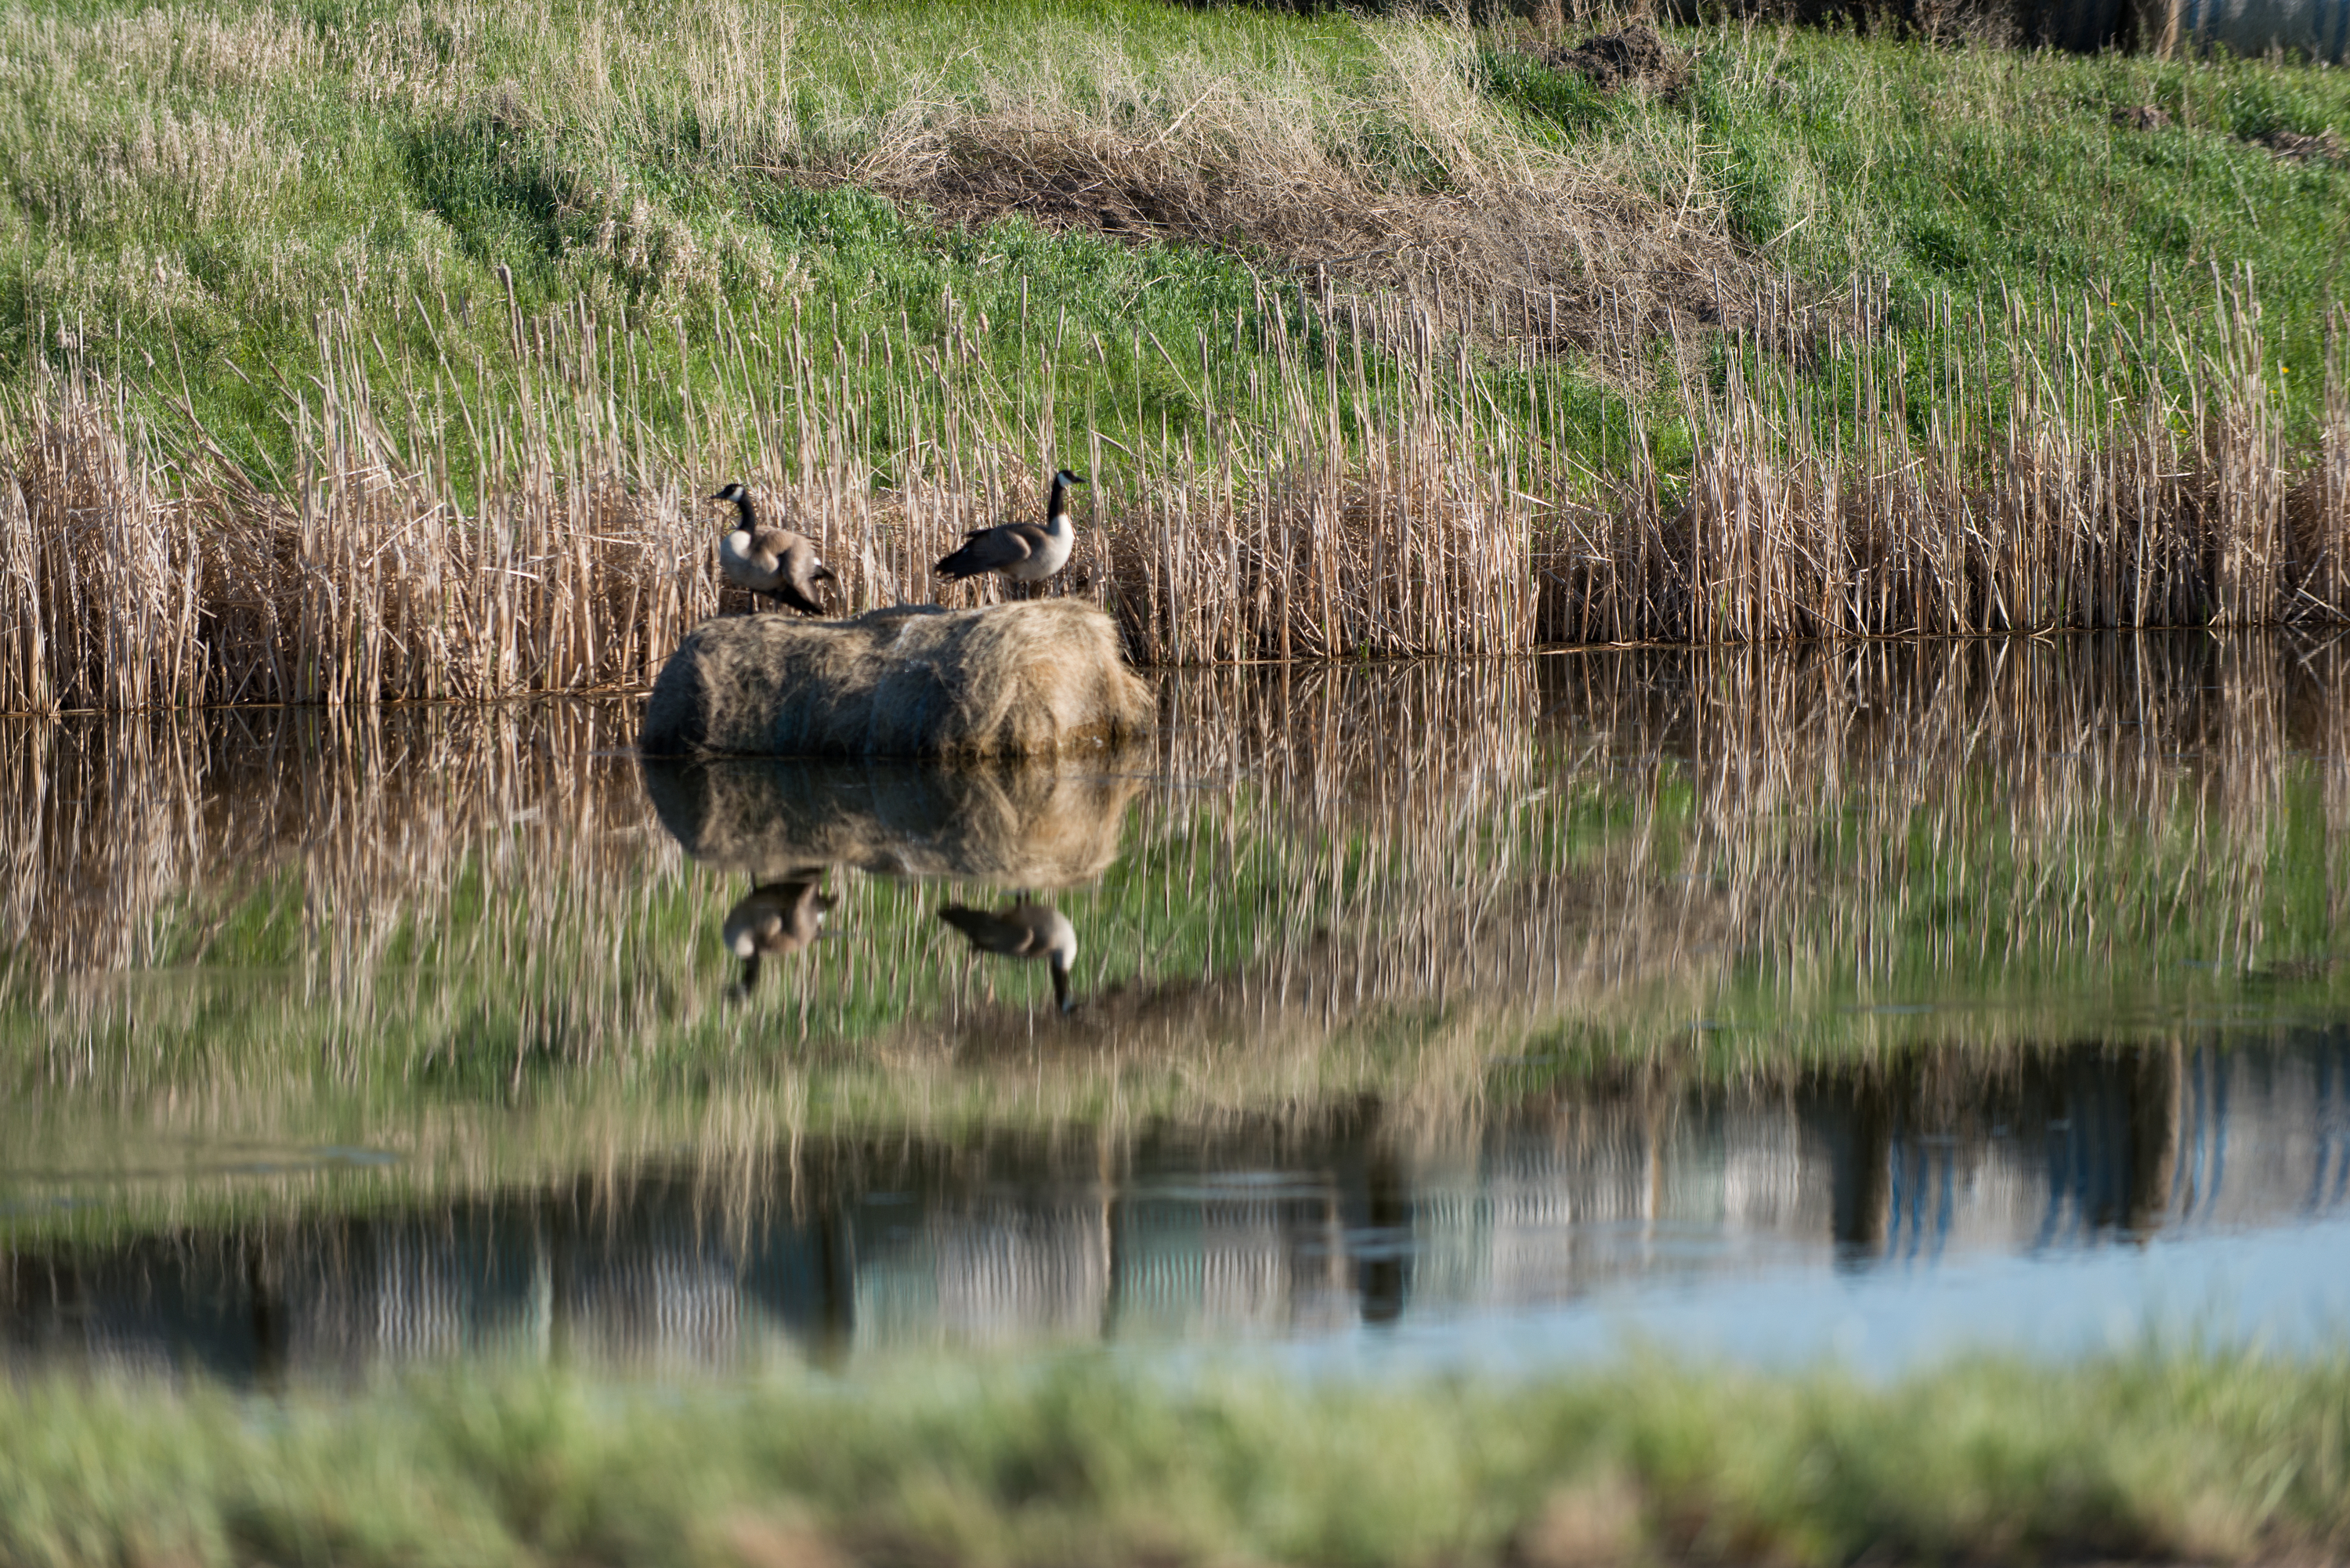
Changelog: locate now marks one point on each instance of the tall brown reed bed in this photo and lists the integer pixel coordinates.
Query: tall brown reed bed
(150, 578)
(2119, 479)
(1352, 476)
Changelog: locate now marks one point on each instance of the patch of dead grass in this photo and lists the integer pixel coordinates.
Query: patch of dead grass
(1410, 182)
(1586, 1524)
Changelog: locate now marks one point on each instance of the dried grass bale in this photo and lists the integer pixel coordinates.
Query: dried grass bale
(1027, 825)
(1009, 680)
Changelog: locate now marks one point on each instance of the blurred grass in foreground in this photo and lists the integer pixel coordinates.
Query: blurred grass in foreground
(2149, 1453)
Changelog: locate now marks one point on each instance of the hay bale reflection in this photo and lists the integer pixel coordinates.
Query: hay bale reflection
(1015, 826)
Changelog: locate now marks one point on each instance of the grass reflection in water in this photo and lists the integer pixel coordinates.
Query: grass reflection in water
(1619, 939)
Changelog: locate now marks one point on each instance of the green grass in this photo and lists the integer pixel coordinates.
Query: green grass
(1962, 172)
(190, 185)
(2173, 1455)
(184, 187)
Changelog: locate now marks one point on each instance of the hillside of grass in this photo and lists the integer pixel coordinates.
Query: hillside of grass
(2159, 1455)
(185, 186)
(385, 353)
(1969, 170)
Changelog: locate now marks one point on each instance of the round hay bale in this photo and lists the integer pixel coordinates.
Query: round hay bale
(1010, 681)
(1026, 825)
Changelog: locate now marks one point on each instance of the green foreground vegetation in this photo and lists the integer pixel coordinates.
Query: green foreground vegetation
(2175, 1456)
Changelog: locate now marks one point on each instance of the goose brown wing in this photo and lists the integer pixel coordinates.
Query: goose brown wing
(795, 585)
(771, 547)
(992, 549)
(989, 932)
(1035, 919)
(776, 920)
(807, 913)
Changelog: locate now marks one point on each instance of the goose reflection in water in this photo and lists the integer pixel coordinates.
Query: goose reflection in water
(1023, 829)
(1027, 929)
(775, 919)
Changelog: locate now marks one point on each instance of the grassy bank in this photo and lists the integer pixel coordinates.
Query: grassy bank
(2207, 1457)
(383, 353)
(190, 184)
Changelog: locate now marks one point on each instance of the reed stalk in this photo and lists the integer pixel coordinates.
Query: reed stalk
(1361, 488)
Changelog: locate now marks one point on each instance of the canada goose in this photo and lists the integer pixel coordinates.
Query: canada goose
(774, 919)
(1023, 552)
(1025, 931)
(770, 560)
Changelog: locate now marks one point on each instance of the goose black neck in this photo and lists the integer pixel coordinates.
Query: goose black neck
(743, 518)
(1058, 506)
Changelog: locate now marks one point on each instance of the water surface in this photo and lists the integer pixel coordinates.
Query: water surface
(1869, 1003)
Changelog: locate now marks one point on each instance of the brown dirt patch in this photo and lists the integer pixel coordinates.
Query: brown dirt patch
(2325, 146)
(2142, 117)
(1635, 56)
(758, 1542)
(1592, 1524)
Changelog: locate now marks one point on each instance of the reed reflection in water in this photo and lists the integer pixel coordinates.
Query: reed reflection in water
(844, 1247)
(1404, 994)
(1387, 833)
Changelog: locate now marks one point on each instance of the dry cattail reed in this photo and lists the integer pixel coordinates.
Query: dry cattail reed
(1351, 484)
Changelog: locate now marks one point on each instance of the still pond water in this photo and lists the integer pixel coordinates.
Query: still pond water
(1872, 1004)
